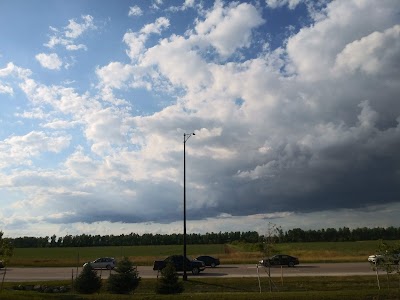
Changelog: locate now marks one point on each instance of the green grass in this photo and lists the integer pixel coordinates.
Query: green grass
(229, 254)
(308, 288)
(140, 255)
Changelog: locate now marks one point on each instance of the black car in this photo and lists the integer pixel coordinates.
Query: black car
(280, 260)
(195, 266)
(1, 264)
(209, 261)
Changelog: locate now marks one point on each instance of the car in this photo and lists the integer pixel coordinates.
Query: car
(375, 258)
(108, 263)
(180, 263)
(384, 258)
(209, 261)
(280, 260)
(1, 264)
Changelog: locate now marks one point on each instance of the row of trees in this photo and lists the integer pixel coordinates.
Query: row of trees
(133, 239)
(342, 234)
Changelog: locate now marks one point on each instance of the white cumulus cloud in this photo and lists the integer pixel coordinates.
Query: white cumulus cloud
(135, 11)
(49, 61)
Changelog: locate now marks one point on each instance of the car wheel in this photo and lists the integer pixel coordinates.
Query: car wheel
(212, 265)
(291, 264)
(108, 267)
(195, 271)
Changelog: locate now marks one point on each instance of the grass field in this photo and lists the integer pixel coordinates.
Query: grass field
(140, 255)
(229, 254)
(308, 288)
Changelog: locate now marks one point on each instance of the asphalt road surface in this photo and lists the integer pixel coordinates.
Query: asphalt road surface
(329, 269)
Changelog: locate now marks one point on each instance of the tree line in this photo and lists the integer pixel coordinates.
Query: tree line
(133, 239)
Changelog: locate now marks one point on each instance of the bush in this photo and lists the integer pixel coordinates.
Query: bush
(126, 280)
(169, 282)
(88, 282)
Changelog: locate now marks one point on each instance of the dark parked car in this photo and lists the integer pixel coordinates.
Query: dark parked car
(194, 266)
(209, 261)
(280, 260)
(1, 264)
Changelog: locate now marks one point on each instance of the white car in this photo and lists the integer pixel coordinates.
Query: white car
(380, 258)
(373, 259)
(108, 263)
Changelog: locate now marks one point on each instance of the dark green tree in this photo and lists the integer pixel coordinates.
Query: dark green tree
(88, 282)
(169, 282)
(126, 278)
(6, 249)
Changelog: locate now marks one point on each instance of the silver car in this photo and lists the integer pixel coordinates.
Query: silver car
(108, 263)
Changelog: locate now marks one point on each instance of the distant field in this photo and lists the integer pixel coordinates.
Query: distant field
(141, 255)
(229, 254)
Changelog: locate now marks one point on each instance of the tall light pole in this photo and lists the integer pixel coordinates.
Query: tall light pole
(186, 136)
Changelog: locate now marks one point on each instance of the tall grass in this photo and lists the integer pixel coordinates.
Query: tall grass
(229, 254)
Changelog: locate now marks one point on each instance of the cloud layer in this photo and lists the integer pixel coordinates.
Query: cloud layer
(310, 126)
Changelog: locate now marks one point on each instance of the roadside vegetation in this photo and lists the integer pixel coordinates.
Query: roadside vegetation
(6, 250)
(88, 281)
(169, 282)
(125, 279)
(309, 288)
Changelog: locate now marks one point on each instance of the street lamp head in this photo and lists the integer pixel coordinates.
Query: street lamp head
(186, 136)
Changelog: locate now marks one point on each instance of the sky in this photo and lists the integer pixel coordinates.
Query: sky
(294, 105)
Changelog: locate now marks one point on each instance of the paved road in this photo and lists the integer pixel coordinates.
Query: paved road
(337, 269)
